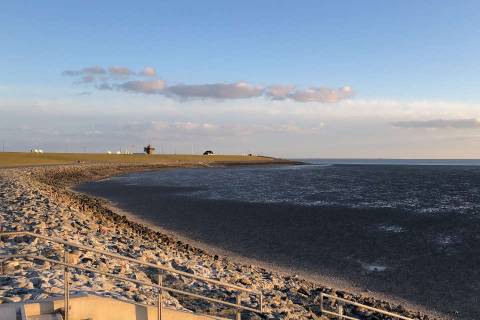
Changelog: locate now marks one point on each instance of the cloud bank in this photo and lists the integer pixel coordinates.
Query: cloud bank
(119, 78)
(186, 129)
(406, 127)
(238, 90)
(440, 123)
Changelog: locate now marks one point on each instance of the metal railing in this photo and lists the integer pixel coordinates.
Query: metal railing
(159, 286)
(341, 302)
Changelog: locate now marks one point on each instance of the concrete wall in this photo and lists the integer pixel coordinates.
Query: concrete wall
(97, 308)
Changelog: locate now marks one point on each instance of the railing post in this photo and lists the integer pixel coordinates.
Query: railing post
(321, 303)
(160, 298)
(261, 301)
(239, 311)
(68, 265)
(340, 310)
(66, 280)
(1, 240)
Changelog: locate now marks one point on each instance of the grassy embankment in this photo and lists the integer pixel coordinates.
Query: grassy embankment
(18, 159)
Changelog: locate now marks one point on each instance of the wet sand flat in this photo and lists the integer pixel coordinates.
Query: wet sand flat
(367, 248)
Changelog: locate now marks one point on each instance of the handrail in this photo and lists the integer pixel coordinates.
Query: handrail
(117, 256)
(111, 275)
(238, 306)
(340, 314)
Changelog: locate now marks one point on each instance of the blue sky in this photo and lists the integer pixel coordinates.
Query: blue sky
(394, 54)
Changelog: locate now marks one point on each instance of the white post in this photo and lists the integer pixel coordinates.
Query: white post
(239, 312)
(340, 310)
(321, 303)
(261, 301)
(66, 280)
(1, 240)
(160, 298)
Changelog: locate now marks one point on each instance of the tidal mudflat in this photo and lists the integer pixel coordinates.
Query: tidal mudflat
(420, 248)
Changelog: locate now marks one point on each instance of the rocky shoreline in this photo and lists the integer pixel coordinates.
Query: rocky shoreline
(39, 200)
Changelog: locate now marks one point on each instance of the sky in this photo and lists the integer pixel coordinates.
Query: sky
(329, 79)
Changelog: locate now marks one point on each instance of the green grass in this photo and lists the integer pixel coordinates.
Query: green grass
(18, 159)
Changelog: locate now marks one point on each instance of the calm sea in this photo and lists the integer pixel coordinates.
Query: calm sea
(428, 186)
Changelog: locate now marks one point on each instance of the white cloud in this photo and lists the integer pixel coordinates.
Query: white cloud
(439, 124)
(148, 72)
(313, 94)
(120, 71)
(103, 86)
(146, 87)
(97, 73)
(280, 91)
(87, 79)
(93, 132)
(238, 90)
(95, 70)
(321, 94)
(188, 126)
